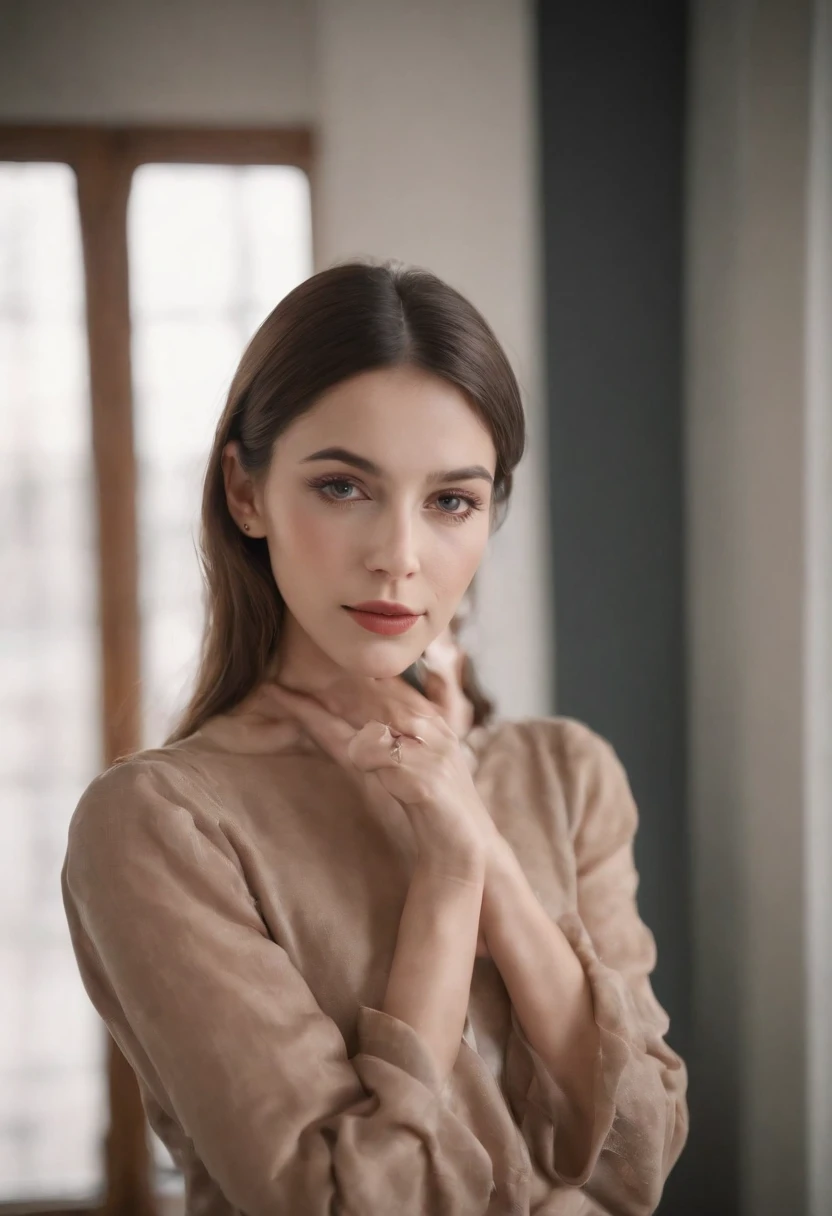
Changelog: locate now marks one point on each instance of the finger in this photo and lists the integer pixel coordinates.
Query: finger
(444, 659)
(377, 746)
(359, 699)
(430, 727)
(371, 748)
(411, 698)
(437, 691)
(383, 697)
(332, 733)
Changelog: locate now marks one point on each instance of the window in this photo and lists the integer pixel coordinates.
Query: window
(52, 1094)
(212, 248)
(134, 266)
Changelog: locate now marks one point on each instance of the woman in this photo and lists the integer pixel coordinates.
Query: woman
(368, 949)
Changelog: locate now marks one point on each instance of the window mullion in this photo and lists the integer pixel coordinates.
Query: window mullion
(104, 176)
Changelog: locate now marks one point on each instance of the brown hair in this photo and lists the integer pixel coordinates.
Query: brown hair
(352, 318)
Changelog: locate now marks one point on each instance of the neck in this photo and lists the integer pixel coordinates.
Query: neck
(299, 664)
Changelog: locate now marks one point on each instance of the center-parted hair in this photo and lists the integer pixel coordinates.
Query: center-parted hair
(353, 318)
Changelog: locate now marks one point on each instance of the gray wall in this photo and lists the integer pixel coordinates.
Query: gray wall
(759, 508)
(612, 81)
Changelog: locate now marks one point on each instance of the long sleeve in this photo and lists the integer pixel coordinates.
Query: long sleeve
(224, 1031)
(641, 1116)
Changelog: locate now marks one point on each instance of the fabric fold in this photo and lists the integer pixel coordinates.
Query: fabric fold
(225, 1034)
(639, 1087)
(387, 1038)
(547, 1114)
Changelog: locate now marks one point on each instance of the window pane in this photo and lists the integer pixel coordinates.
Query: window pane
(212, 250)
(52, 1043)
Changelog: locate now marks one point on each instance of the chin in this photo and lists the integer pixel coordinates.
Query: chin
(386, 671)
(383, 666)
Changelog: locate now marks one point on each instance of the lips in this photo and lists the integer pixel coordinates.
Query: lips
(384, 622)
(384, 608)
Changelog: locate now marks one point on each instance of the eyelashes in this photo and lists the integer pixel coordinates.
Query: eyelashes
(322, 484)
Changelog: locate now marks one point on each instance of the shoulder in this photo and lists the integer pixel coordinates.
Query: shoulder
(147, 845)
(571, 750)
(560, 734)
(149, 801)
(569, 760)
(130, 781)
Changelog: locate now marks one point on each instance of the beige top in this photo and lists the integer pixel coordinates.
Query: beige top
(234, 912)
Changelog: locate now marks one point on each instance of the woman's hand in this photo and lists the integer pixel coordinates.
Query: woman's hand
(432, 781)
(360, 699)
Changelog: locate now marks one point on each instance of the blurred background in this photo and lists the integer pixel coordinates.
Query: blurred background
(638, 198)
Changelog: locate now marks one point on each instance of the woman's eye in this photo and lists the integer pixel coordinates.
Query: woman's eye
(338, 486)
(340, 490)
(451, 498)
(459, 500)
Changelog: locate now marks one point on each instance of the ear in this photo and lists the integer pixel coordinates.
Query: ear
(241, 492)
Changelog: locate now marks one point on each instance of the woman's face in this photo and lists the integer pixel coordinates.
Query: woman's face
(381, 491)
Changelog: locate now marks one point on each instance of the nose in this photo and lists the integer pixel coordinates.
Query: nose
(391, 547)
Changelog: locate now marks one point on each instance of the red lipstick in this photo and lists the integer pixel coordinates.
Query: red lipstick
(383, 616)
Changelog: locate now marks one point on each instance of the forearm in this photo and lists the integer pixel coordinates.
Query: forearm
(430, 978)
(545, 981)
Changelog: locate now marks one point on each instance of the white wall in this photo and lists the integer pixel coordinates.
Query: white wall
(212, 61)
(428, 155)
(757, 397)
(425, 120)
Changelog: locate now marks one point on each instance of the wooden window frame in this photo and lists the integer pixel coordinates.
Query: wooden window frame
(104, 160)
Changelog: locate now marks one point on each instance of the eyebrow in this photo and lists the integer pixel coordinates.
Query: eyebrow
(470, 473)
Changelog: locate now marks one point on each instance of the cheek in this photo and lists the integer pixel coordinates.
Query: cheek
(310, 536)
(452, 566)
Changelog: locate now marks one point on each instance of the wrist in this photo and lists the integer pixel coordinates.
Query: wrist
(502, 866)
(505, 884)
(466, 867)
